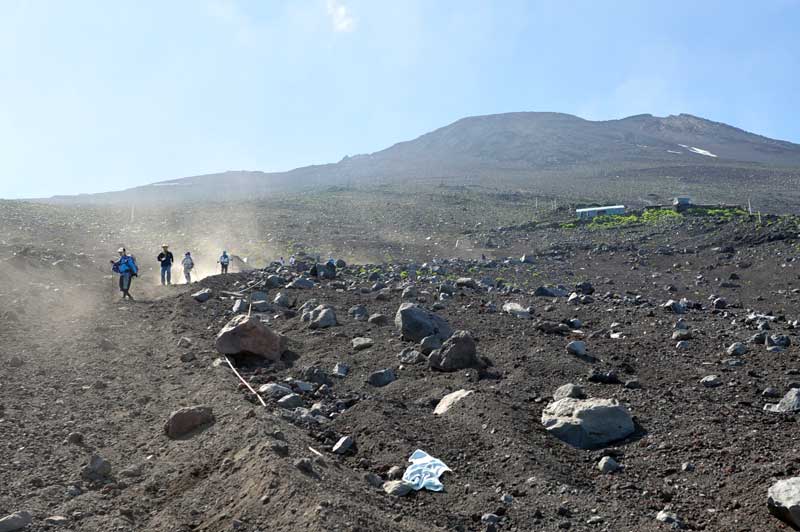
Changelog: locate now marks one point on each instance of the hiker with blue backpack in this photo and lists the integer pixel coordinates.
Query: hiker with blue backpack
(127, 269)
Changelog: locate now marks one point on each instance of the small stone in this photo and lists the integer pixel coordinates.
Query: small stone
(97, 468)
(305, 465)
(490, 519)
(184, 420)
(74, 438)
(290, 401)
(711, 381)
(362, 343)
(373, 480)
(394, 473)
(398, 488)
(56, 520)
(343, 445)
(382, 377)
(569, 390)
(607, 465)
(736, 349)
(577, 348)
(670, 518)
(341, 369)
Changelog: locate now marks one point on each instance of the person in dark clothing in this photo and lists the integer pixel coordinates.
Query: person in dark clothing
(223, 261)
(166, 259)
(127, 270)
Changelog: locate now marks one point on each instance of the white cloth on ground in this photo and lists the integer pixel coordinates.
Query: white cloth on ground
(424, 471)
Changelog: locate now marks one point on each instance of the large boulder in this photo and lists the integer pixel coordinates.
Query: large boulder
(587, 423)
(248, 334)
(185, 420)
(457, 352)
(789, 403)
(783, 501)
(15, 521)
(415, 323)
(322, 317)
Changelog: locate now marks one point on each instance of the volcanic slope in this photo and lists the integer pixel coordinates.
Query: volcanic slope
(114, 371)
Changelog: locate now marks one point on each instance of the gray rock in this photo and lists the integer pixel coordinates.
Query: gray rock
(466, 282)
(411, 356)
(409, 293)
(282, 300)
(187, 419)
(683, 345)
(457, 352)
(607, 465)
(682, 335)
(74, 438)
(15, 521)
(301, 283)
(274, 390)
(341, 369)
(239, 306)
(449, 400)
(322, 317)
(397, 488)
(415, 323)
(203, 295)
(394, 473)
(569, 390)
(290, 401)
(378, 319)
(430, 344)
(373, 480)
(670, 518)
(518, 311)
(736, 349)
(789, 403)
(778, 340)
(551, 291)
(98, 468)
(275, 281)
(360, 343)
(771, 392)
(719, 303)
(358, 312)
(783, 501)
(382, 377)
(343, 445)
(711, 381)
(674, 306)
(577, 347)
(248, 334)
(587, 423)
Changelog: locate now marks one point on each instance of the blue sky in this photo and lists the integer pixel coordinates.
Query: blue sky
(100, 95)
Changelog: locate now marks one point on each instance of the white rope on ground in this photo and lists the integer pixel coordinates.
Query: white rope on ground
(245, 382)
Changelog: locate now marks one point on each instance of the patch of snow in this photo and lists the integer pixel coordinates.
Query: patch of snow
(673, 151)
(701, 152)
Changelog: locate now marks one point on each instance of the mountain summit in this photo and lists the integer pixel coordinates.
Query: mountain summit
(515, 147)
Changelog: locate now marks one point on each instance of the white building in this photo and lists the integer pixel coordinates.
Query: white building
(591, 212)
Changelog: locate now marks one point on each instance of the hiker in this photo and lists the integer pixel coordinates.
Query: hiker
(223, 261)
(166, 259)
(292, 261)
(283, 262)
(188, 264)
(127, 270)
